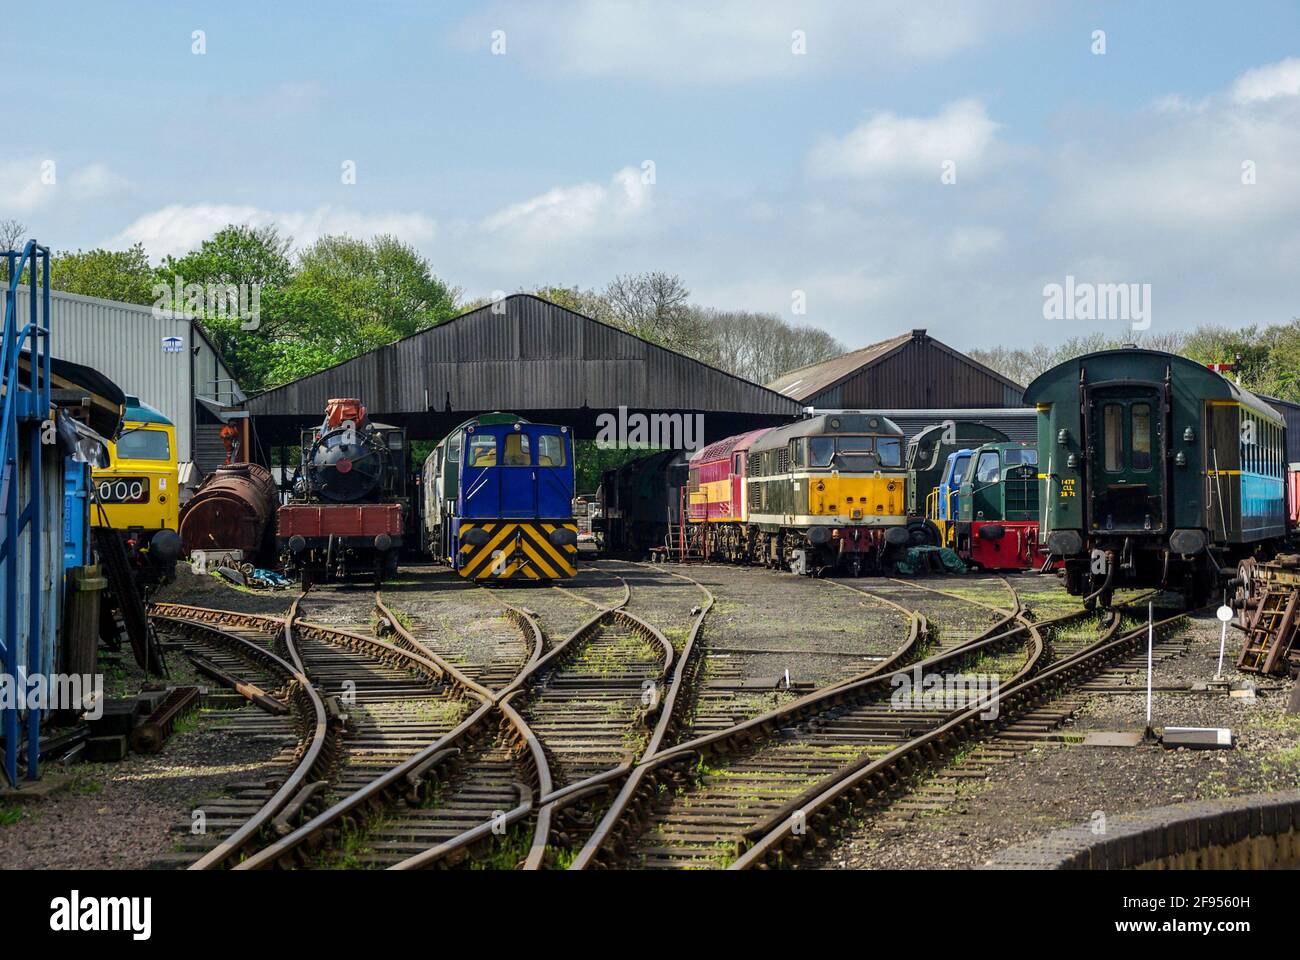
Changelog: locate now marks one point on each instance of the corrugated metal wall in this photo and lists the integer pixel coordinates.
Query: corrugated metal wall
(124, 342)
(920, 375)
(533, 356)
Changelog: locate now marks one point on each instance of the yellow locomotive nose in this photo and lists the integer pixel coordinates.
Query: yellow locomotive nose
(856, 497)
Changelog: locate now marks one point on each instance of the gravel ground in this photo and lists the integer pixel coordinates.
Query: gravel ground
(123, 815)
(210, 591)
(1057, 786)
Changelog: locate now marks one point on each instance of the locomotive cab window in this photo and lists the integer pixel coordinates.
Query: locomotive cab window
(890, 451)
(1141, 416)
(821, 451)
(517, 453)
(482, 451)
(550, 450)
(141, 444)
(986, 471)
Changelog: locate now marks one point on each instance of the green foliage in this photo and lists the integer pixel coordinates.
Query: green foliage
(123, 275)
(341, 297)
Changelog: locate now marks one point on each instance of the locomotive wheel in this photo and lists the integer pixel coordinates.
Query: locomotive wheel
(923, 533)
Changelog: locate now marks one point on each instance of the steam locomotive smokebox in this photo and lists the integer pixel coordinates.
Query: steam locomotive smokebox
(348, 460)
(230, 510)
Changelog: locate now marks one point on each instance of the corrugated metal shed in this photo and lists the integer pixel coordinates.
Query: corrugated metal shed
(528, 356)
(125, 342)
(909, 371)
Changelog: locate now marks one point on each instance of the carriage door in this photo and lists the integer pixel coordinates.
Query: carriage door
(1127, 459)
(737, 506)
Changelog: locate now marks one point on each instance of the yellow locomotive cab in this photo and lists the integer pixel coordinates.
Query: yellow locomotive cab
(139, 489)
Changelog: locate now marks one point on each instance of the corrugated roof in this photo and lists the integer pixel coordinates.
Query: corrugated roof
(810, 381)
(813, 379)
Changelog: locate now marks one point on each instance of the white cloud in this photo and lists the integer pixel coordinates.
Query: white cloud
(176, 229)
(1190, 169)
(888, 145)
(564, 218)
(25, 186)
(1274, 80)
(727, 41)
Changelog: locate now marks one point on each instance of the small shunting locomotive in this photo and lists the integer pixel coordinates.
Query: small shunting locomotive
(348, 508)
(498, 500)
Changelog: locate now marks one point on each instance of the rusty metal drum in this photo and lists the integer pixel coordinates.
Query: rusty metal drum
(231, 510)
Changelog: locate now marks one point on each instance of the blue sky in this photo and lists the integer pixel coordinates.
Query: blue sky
(774, 172)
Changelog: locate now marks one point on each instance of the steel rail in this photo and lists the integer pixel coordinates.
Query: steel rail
(777, 841)
(312, 756)
(808, 707)
(392, 785)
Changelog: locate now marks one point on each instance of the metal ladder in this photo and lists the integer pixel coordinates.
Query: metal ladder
(1271, 631)
(26, 408)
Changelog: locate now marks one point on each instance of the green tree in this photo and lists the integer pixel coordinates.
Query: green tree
(123, 275)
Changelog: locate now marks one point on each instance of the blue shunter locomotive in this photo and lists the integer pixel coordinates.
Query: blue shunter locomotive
(498, 500)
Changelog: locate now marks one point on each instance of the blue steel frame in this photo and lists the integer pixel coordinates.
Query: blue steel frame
(26, 408)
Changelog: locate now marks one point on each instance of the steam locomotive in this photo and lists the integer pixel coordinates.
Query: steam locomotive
(347, 512)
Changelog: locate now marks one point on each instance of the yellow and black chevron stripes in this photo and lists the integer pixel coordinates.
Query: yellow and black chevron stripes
(517, 548)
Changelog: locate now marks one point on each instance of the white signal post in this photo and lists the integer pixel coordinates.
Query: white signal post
(1151, 642)
(1224, 614)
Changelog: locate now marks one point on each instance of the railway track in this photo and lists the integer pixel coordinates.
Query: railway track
(240, 645)
(706, 802)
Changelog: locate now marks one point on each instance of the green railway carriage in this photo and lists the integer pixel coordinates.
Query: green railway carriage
(1155, 471)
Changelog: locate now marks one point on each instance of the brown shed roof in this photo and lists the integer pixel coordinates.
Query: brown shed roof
(807, 382)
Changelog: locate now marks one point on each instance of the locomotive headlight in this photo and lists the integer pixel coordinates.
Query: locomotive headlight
(821, 487)
(1181, 459)
(890, 486)
(1071, 461)
(1063, 437)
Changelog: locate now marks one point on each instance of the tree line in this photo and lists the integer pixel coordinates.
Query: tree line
(1267, 355)
(340, 297)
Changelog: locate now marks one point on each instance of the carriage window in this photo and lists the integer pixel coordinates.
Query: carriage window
(986, 471)
(798, 455)
(890, 451)
(1113, 437)
(482, 450)
(959, 468)
(821, 450)
(550, 450)
(517, 452)
(1021, 455)
(453, 450)
(1141, 436)
(737, 461)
